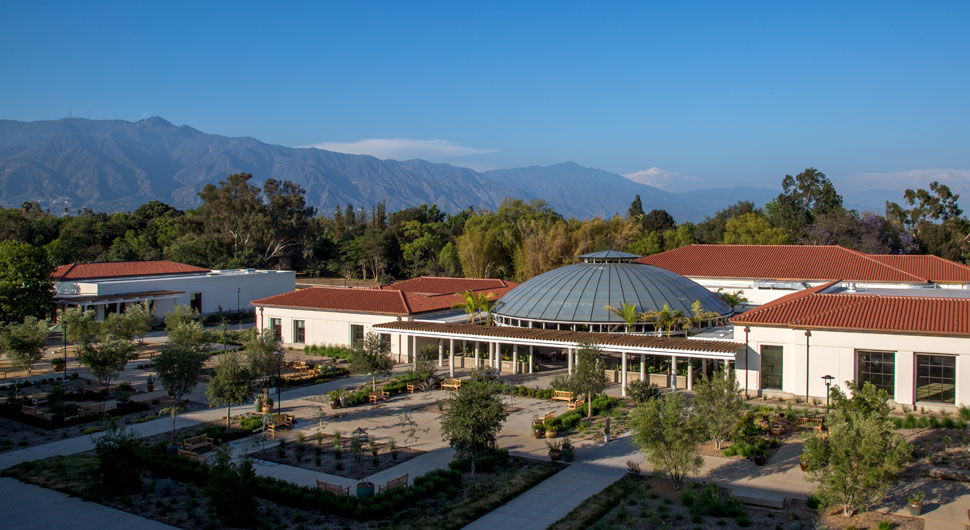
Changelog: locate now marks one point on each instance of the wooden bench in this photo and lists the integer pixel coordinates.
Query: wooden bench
(399, 482)
(28, 410)
(573, 405)
(548, 416)
(380, 395)
(562, 395)
(412, 387)
(336, 489)
(197, 442)
(451, 384)
(93, 408)
(191, 455)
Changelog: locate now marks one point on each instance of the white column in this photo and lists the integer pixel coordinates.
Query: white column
(498, 358)
(441, 353)
(623, 378)
(414, 351)
(690, 375)
(530, 359)
(704, 367)
(643, 368)
(515, 358)
(569, 360)
(478, 352)
(451, 358)
(673, 372)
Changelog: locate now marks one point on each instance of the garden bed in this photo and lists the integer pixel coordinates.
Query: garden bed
(318, 454)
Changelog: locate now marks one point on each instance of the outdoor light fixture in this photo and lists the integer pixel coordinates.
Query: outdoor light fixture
(828, 383)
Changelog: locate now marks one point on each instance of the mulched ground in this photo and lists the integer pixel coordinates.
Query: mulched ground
(321, 457)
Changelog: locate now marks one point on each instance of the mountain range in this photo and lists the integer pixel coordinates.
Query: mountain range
(115, 165)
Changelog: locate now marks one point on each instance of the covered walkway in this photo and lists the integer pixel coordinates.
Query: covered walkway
(712, 353)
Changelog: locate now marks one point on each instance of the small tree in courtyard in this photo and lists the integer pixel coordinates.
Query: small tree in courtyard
(263, 353)
(80, 327)
(24, 343)
(231, 383)
(641, 391)
(668, 431)
(589, 375)
(861, 455)
(719, 405)
(107, 359)
(372, 358)
(179, 369)
(475, 416)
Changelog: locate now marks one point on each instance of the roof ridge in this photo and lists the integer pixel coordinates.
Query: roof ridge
(873, 260)
(404, 300)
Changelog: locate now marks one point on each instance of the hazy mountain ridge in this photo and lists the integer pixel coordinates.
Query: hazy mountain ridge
(117, 165)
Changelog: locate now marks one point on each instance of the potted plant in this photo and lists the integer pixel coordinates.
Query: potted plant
(57, 364)
(759, 459)
(916, 503)
(365, 489)
(267, 405)
(568, 451)
(334, 399)
(342, 397)
(538, 428)
(555, 451)
(150, 382)
(802, 463)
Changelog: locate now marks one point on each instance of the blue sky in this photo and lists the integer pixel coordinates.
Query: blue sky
(873, 94)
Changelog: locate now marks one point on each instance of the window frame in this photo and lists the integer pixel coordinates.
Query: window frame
(916, 376)
(355, 342)
(276, 324)
(859, 372)
(302, 330)
(781, 367)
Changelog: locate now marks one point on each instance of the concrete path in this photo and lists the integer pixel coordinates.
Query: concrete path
(553, 498)
(28, 507)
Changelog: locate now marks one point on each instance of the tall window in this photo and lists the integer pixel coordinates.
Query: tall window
(356, 335)
(936, 378)
(277, 326)
(771, 367)
(386, 342)
(878, 368)
(195, 302)
(299, 331)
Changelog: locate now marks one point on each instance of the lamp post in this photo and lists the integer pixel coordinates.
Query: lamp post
(238, 320)
(828, 382)
(279, 382)
(64, 337)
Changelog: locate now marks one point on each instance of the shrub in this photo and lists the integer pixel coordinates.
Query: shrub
(117, 453)
(642, 391)
(230, 489)
(486, 462)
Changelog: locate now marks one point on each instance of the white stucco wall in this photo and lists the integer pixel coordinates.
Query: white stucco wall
(834, 353)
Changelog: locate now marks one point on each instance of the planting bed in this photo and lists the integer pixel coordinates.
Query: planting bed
(318, 454)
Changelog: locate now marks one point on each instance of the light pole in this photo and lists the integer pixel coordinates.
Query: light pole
(238, 320)
(828, 382)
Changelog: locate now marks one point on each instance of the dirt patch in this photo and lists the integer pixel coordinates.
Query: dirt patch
(862, 521)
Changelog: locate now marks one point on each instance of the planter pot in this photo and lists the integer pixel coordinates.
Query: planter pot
(555, 455)
(539, 433)
(343, 401)
(551, 434)
(172, 449)
(151, 388)
(568, 454)
(916, 508)
(803, 465)
(57, 364)
(335, 404)
(267, 406)
(759, 460)
(365, 489)
(170, 393)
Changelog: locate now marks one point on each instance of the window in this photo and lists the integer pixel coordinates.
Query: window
(356, 335)
(771, 367)
(878, 368)
(299, 331)
(936, 378)
(385, 342)
(277, 326)
(195, 302)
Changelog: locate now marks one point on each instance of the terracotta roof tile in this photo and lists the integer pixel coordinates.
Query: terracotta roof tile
(447, 285)
(868, 312)
(933, 268)
(120, 269)
(383, 300)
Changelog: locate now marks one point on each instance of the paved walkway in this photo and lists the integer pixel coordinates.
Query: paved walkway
(29, 507)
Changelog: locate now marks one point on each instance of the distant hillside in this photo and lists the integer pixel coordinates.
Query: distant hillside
(116, 165)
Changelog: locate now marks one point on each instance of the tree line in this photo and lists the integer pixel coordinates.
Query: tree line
(240, 225)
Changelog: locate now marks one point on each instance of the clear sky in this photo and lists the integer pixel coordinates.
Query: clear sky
(721, 92)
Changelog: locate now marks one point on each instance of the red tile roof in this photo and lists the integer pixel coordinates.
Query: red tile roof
(812, 309)
(805, 262)
(380, 300)
(448, 285)
(120, 269)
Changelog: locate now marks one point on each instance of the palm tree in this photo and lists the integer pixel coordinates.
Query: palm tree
(628, 312)
(666, 319)
(473, 303)
(733, 299)
(698, 317)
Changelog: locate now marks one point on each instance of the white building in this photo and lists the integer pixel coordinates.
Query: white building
(914, 343)
(343, 315)
(108, 287)
(763, 273)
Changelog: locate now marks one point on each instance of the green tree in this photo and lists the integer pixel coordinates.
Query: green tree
(732, 299)
(24, 343)
(668, 431)
(231, 489)
(106, 359)
(231, 383)
(263, 353)
(719, 405)
(753, 229)
(636, 209)
(179, 369)
(372, 358)
(641, 391)
(475, 303)
(589, 375)
(698, 316)
(189, 335)
(860, 457)
(666, 319)
(138, 320)
(80, 327)
(804, 197)
(118, 462)
(26, 287)
(628, 312)
(474, 416)
(180, 315)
